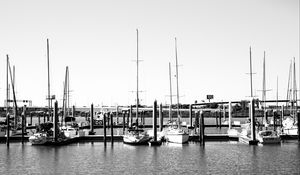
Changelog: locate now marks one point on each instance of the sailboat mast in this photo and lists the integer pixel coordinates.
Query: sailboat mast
(7, 86)
(68, 109)
(137, 74)
(264, 86)
(277, 94)
(48, 67)
(251, 73)
(294, 91)
(177, 78)
(170, 77)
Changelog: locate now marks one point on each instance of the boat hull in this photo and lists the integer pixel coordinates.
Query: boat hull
(135, 140)
(177, 138)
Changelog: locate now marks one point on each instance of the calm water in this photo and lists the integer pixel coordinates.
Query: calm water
(96, 158)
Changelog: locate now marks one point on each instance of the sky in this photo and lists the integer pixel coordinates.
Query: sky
(96, 39)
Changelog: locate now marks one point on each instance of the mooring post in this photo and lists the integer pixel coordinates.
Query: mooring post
(130, 115)
(56, 130)
(282, 115)
(124, 113)
(274, 120)
(23, 122)
(128, 118)
(298, 121)
(217, 122)
(220, 118)
(160, 117)
(229, 115)
(266, 118)
(199, 126)
(202, 128)
(44, 115)
(30, 118)
(196, 123)
(112, 127)
(92, 121)
(154, 121)
(252, 118)
(104, 127)
(73, 111)
(39, 119)
(117, 114)
(7, 129)
(191, 115)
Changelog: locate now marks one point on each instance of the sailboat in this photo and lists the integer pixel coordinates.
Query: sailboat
(174, 132)
(289, 123)
(266, 136)
(45, 131)
(136, 135)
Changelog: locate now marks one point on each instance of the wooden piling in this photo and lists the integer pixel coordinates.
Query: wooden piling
(104, 127)
(44, 115)
(117, 114)
(23, 123)
(229, 115)
(252, 118)
(220, 119)
(7, 129)
(201, 120)
(217, 121)
(130, 115)
(92, 121)
(191, 115)
(73, 111)
(282, 115)
(39, 119)
(298, 121)
(274, 120)
(154, 121)
(160, 117)
(112, 127)
(56, 130)
(124, 114)
(30, 118)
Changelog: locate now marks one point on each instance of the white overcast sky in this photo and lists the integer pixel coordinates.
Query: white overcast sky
(97, 40)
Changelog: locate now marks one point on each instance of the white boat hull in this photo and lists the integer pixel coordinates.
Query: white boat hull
(177, 138)
(38, 139)
(133, 139)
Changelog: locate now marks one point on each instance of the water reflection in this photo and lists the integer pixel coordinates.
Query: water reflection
(118, 158)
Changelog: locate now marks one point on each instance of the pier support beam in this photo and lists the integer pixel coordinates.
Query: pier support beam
(220, 119)
(112, 127)
(30, 118)
(127, 120)
(23, 123)
(229, 115)
(130, 116)
(92, 121)
(298, 119)
(104, 127)
(7, 129)
(154, 121)
(201, 128)
(161, 118)
(39, 119)
(117, 114)
(282, 115)
(274, 120)
(73, 111)
(191, 114)
(124, 115)
(55, 125)
(252, 118)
